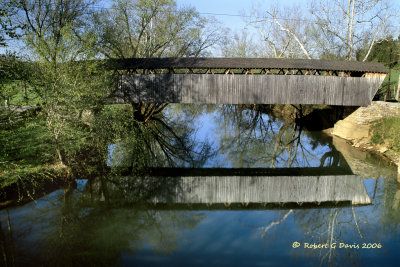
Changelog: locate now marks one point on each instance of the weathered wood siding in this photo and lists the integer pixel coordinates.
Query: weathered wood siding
(248, 89)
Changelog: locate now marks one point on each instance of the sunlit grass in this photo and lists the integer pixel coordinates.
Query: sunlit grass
(387, 131)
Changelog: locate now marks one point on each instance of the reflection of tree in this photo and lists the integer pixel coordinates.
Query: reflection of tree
(165, 136)
(7, 243)
(265, 229)
(378, 223)
(320, 226)
(158, 139)
(333, 158)
(97, 230)
(388, 199)
(332, 227)
(251, 138)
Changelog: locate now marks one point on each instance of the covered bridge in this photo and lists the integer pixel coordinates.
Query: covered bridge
(247, 81)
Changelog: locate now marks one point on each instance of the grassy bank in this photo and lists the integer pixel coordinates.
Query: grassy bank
(387, 131)
(26, 159)
(29, 165)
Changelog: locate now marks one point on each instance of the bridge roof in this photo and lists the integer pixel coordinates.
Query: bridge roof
(248, 63)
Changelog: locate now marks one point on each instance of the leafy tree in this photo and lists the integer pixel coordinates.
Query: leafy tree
(8, 8)
(381, 52)
(10, 70)
(65, 77)
(158, 28)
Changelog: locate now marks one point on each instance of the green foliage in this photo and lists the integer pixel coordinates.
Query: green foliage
(387, 52)
(13, 73)
(114, 122)
(387, 131)
(64, 75)
(381, 52)
(156, 28)
(25, 150)
(394, 79)
(8, 8)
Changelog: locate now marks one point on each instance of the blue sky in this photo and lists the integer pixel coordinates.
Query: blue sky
(241, 7)
(233, 7)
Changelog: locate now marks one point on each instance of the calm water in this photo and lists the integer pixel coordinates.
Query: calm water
(218, 217)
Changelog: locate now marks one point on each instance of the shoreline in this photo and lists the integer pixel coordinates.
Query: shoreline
(380, 150)
(356, 129)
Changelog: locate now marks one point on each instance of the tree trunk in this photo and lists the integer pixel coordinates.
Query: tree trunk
(59, 153)
(398, 89)
(387, 95)
(7, 102)
(26, 94)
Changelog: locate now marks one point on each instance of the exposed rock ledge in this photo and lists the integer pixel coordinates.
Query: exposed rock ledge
(356, 128)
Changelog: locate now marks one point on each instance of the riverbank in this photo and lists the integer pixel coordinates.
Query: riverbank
(27, 171)
(373, 128)
(29, 167)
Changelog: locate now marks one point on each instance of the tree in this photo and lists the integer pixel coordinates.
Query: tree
(240, 45)
(157, 28)
(284, 37)
(328, 29)
(10, 67)
(346, 25)
(65, 77)
(381, 51)
(386, 51)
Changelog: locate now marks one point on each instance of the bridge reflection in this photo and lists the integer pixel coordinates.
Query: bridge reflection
(221, 188)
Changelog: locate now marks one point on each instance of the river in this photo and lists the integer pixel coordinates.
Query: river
(224, 186)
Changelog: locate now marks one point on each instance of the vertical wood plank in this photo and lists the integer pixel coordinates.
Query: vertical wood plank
(249, 89)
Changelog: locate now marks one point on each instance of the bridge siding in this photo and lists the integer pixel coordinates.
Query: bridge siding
(249, 89)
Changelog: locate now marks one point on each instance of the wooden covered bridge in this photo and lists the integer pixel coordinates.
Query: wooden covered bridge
(247, 81)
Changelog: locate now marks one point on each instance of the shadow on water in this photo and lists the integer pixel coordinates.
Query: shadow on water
(212, 185)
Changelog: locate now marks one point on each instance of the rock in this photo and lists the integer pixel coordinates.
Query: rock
(356, 126)
(398, 172)
(350, 130)
(383, 149)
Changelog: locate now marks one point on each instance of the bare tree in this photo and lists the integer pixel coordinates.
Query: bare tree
(346, 25)
(240, 45)
(328, 29)
(284, 30)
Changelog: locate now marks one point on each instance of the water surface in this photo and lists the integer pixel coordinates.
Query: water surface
(152, 221)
